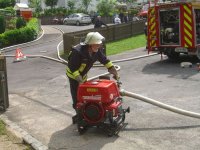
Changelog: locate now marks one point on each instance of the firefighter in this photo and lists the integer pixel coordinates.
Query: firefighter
(98, 23)
(145, 32)
(82, 58)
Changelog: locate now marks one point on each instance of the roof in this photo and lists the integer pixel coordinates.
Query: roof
(20, 6)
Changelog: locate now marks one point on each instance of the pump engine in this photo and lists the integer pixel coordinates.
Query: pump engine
(99, 104)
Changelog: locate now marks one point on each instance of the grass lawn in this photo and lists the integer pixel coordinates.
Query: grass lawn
(120, 46)
(2, 128)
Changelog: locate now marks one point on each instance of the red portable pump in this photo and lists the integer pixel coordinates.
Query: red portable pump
(99, 104)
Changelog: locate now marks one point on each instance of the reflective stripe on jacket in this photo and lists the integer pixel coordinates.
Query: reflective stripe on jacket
(80, 62)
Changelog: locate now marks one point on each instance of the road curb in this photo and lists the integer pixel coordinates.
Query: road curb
(19, 135)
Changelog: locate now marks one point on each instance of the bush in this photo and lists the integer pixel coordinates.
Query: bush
(3, 42)
(10, 11)
(21, 35)
(11, 23)
(20, 22)
(2, 24)
(12, 36)
(34, 24)
(27, 34)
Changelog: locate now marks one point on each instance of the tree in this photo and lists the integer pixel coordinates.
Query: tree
(7, 3)
(106, 7)
(2, 24)
(20, 22)
(36, 4)
(71, 5)
(86, 4)
(51, 3)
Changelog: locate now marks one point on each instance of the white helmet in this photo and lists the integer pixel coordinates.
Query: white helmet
(93, 38)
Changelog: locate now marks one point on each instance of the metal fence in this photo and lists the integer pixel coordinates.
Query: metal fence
(111, 33)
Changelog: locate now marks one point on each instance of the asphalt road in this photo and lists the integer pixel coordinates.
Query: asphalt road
(40, 103)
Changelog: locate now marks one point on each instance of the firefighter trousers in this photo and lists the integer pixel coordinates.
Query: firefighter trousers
(73, 89)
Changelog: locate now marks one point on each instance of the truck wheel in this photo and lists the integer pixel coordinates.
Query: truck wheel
(171, 54)
(198, 53)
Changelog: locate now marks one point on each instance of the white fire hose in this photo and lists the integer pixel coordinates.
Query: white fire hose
(129, 94)
(159, 104)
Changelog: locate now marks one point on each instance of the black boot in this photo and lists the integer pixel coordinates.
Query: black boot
(75, 119)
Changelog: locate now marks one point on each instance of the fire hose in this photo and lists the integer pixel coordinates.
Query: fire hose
(127, 93)
(159, 104)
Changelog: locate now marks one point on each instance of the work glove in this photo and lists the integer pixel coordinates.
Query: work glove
(113, 71)
(79, 79)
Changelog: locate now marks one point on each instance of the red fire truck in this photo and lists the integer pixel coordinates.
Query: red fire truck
(174, 28)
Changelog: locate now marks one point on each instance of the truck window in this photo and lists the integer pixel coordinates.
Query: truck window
(169, 26)
(197, 15)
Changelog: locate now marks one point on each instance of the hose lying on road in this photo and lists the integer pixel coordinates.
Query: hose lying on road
(159, 104)
(129, 94)
(123, 92)
(41, 56)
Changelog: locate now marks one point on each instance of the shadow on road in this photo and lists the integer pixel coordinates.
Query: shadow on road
(173, 68)
(69, 138)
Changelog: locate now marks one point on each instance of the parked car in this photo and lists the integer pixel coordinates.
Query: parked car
(57, 20)
(77, 19)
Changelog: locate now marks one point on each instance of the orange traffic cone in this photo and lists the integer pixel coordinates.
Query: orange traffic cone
(19, 56)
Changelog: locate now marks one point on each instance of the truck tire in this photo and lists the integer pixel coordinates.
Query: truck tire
(172, 55)
(198, 53)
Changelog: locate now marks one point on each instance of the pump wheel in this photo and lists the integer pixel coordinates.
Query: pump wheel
(81, 126)
(81, 129)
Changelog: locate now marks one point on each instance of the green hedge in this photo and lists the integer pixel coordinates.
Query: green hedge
(20, 22)
(21, 35)
(2, 24)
